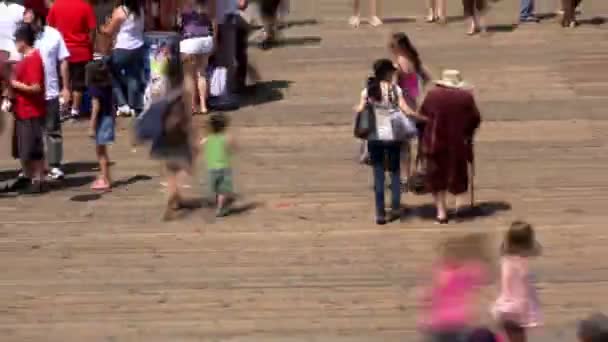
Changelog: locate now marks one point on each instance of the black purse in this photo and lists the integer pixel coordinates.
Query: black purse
(365, 123)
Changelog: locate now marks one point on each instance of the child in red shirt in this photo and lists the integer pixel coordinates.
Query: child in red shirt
(28, 88)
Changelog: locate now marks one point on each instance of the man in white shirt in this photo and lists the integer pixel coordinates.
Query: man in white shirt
(53, 50)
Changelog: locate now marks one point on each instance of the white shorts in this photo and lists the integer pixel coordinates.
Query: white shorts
(196, 46)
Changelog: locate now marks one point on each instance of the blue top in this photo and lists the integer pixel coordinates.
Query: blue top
(104, 95)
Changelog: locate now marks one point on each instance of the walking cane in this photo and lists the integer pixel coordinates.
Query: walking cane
(472, 175)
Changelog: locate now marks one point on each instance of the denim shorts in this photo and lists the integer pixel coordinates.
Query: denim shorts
(104, 134)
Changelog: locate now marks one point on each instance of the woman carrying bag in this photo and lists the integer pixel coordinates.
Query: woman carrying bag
(383, 111)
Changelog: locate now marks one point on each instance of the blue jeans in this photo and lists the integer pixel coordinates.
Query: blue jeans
(385, 154)
(128, 77)
(526, 9)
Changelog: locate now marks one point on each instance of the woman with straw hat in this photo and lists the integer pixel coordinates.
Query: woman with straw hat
(453, 117)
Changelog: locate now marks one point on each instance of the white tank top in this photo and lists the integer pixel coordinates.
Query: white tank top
(131, 33)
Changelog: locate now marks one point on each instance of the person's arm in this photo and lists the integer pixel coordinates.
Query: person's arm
(231, 143)
(65, 79)
(409, 111)
(26, 88)
(64, 70)
(34, 79)
(362, 102)
(118, 17)
(95, 108)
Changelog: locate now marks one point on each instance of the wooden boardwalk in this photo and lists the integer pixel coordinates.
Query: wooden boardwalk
(308, 264)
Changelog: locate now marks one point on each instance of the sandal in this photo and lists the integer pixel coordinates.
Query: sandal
(100, 185)
(430, 19)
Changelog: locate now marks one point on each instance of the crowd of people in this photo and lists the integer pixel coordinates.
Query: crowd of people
(474, 11)
(53, 67)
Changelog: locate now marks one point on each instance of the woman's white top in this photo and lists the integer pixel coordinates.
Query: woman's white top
(131, 33)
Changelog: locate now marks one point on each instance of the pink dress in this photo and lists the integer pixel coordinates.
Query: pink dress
(518, 301)
(452, 296)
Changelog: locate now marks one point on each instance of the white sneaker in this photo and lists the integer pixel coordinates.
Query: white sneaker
(123, 110)
(56, 174)
(354, 21)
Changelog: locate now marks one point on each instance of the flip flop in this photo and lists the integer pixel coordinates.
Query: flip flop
(100, 185)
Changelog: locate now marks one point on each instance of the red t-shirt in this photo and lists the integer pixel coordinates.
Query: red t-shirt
(30, 71)
(75, 20)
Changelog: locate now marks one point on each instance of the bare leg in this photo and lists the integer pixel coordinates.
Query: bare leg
(76, 101)
(190, 74)
(441, 10)
(202, 82)
(373, 11)
(440, 203)
(104, 164)
(173, 201)
(354, 21)
(432, 15)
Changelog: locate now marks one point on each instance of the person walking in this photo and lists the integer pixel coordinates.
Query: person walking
(55, 54)
(386, 103)
(475, 10)
(197, 44)
(128, 56)
(374, 20)
(412, 78)
(517, 308)
(75, 20)
(526, 12)
(453, 118)
(437, 11)
(219, 145)
(569, 18)
(102, 124)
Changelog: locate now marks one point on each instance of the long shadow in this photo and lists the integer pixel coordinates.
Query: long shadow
(243, 208)
(290, 41)
(596, 21)
(289, 24)
(398, 20)
(264, 92)
(71, 182)
(81, 167)
(456, 18)
(501, 28)
(301, 22)
(546, 16)
(131, 180)
(97, 196)
(480, 210)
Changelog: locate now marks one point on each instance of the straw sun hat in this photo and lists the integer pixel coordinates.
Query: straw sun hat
(453, 79)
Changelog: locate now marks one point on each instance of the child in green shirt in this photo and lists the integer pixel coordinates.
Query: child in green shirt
(218, 148)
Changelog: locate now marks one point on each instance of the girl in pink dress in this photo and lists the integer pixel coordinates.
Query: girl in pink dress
(457, 280)
(517, 306)
(412, 77)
